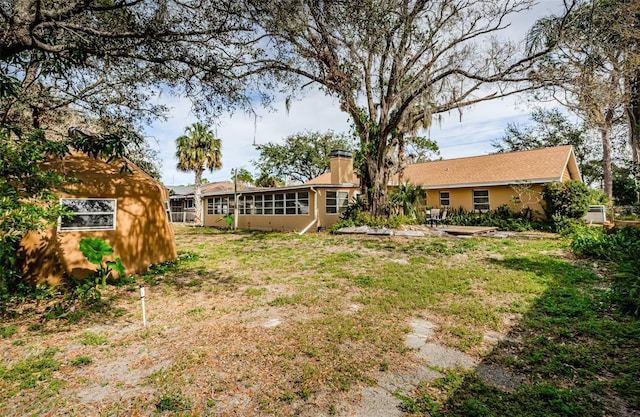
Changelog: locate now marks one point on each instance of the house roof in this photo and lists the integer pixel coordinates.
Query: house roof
(181, 191)
(325, 179)
(534, 166)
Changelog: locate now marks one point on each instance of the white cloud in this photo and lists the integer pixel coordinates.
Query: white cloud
(466, 136)
(240, 131)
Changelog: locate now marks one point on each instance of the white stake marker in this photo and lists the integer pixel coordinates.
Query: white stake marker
(144, 314)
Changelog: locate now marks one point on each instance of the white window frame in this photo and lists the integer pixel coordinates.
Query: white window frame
(443, 199)
(479, 203)
(80, 211)
(341, 199)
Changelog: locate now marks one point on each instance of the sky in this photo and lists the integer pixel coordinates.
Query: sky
(458, 135)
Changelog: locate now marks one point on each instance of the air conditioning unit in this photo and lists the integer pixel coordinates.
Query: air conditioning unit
(596, 214)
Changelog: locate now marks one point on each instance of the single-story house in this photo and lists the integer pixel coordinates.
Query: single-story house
(128, 210)
(182, 203)
(478, 183)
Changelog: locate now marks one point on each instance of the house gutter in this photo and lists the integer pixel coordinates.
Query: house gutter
(315, 212)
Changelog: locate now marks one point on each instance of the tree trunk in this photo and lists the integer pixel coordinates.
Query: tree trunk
(374, 180)
(607, 175)
(633, 115)
(197, 197)
(401, 156)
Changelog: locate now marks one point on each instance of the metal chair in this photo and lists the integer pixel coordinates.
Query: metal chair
(439, 217)
(434, 215)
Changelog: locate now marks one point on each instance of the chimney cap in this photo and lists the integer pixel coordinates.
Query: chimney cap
(340, 153)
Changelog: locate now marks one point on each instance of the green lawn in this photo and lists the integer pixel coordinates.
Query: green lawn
(340, 307)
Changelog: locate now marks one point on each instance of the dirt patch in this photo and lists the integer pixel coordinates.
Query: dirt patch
(226, 340)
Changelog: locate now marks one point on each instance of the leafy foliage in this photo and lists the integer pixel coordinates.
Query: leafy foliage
(95, 250)
(302, 157)
(197, 149)
(26, 200)
(503, 217)
(405, 199)
(621, 247)
(625, 184)
(568, 199)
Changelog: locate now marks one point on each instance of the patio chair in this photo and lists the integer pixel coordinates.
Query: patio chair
(439, 217)
(434, 215)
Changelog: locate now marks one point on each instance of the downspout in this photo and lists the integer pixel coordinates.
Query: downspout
(315, 212)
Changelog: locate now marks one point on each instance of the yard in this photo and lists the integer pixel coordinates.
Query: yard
(253, 324)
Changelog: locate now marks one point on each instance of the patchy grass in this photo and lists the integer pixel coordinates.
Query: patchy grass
(93, 339)
(282, 324)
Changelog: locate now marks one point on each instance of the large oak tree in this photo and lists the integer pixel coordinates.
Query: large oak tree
(394, 64)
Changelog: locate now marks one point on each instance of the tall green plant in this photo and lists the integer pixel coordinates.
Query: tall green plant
(95, 250)
(26, 200)
(197, 149)
(404, 199)
(568, 199)
(620, 247)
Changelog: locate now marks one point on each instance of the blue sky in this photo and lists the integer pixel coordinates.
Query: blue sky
(457, 136)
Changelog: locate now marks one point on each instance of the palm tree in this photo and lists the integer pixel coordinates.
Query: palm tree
(405, 199)
(198, 149)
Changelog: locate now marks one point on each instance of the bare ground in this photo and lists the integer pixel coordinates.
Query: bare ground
(221, 351)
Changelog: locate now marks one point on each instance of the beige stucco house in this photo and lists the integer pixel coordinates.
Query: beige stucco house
(476, 183)
(480, 183)
(129, 210)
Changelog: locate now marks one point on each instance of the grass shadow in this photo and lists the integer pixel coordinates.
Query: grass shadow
(577, 355)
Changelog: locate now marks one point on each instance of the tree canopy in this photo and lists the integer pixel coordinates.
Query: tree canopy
(302, 157)
(594, 67)
(393, 64)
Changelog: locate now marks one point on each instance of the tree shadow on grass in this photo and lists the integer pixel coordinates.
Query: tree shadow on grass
(577, 355)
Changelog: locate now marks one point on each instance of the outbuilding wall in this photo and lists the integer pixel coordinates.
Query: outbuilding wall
(143, 235)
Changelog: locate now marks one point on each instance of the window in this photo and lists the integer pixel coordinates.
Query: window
(291, 203)
(278, 204)
(219, 205)
(268, 204)
(481, 200)
(89, 214)
(189, 203)
(445, 201)
(249, 205)
(176, 205)
(303, 203)
(167, 210)
(336, 201)
(258, 204)
(294, 203)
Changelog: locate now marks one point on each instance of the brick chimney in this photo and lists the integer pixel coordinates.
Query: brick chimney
(341, 166)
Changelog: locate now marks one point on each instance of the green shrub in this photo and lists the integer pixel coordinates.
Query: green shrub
(502, 217)
(173, 402)
(354, 215)
(566, 199)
